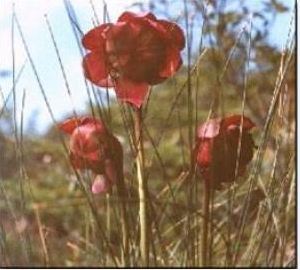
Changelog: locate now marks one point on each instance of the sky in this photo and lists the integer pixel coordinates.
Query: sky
(31, 15)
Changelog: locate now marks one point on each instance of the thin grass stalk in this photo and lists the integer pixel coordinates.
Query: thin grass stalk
(255, 233)
(211, 231)
(13, 79)
(77, 31)
(125, 234)
(96, 218)
(108, 220)
(86, 231)
(108, 117)
(42, 236)
(190, 234)
(35, 71)
(254, 254)
(19, 140)
(206, 222)
(91, 204)
(231, 192)
(124, 219)
(66, 80)
(94, 12)
(285, 195)
(10, 207)
(5, 100)
(286, 224)
(177, 97)
(159, 237)
(263, 142)
(60, 136)
(4, 248)
(60, 64)
(200, 48)
(262, 146)
(24, 176)
(143, 200)
(257, 238)
(153, 252)
(129, 127)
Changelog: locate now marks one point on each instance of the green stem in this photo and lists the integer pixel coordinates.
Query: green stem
(206, 217)
(144, 237)
(124, 222)
(108, 222)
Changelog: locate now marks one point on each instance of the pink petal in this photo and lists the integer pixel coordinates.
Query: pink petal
(93, 40)
(132, 92)
(90, 120)
(235, 120)
(209, 129)
(94, 124)
(95, 68)
(100, 185)
(129, 16)
(172, 63)
(93, 156)
(70, 124)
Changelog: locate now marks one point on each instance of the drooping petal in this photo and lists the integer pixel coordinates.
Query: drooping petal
(235, 121)
(94, 40)
(209, 129)
(96, 69)
(129, 16)
(132, 92)
(69, 125)
(100, 185)
(247, 149)
(174, 33)
(92, 156)
(172, 63)
(83, 140)
(76, 161)
(204, 154)
(110, 170)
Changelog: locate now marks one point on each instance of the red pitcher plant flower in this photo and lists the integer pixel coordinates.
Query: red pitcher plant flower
(132, 54)
(217, 149)
(93, 147)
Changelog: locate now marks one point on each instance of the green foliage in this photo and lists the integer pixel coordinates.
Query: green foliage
(41, 197)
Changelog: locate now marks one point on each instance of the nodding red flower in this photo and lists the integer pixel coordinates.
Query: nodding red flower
(132, 54)
(93, 147)
(217, 146)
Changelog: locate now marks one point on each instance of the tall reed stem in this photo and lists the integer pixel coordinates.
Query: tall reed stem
(206, 222)
(124, 220)
(108, 222)
(144, 231)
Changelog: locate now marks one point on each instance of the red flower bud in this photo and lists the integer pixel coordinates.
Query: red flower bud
(216, 151)
(137, 51)
(93, 147)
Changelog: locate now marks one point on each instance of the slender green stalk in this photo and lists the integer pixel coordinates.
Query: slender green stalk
(206, 222)
(108, 222)
(124, 220)
(144, 231)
